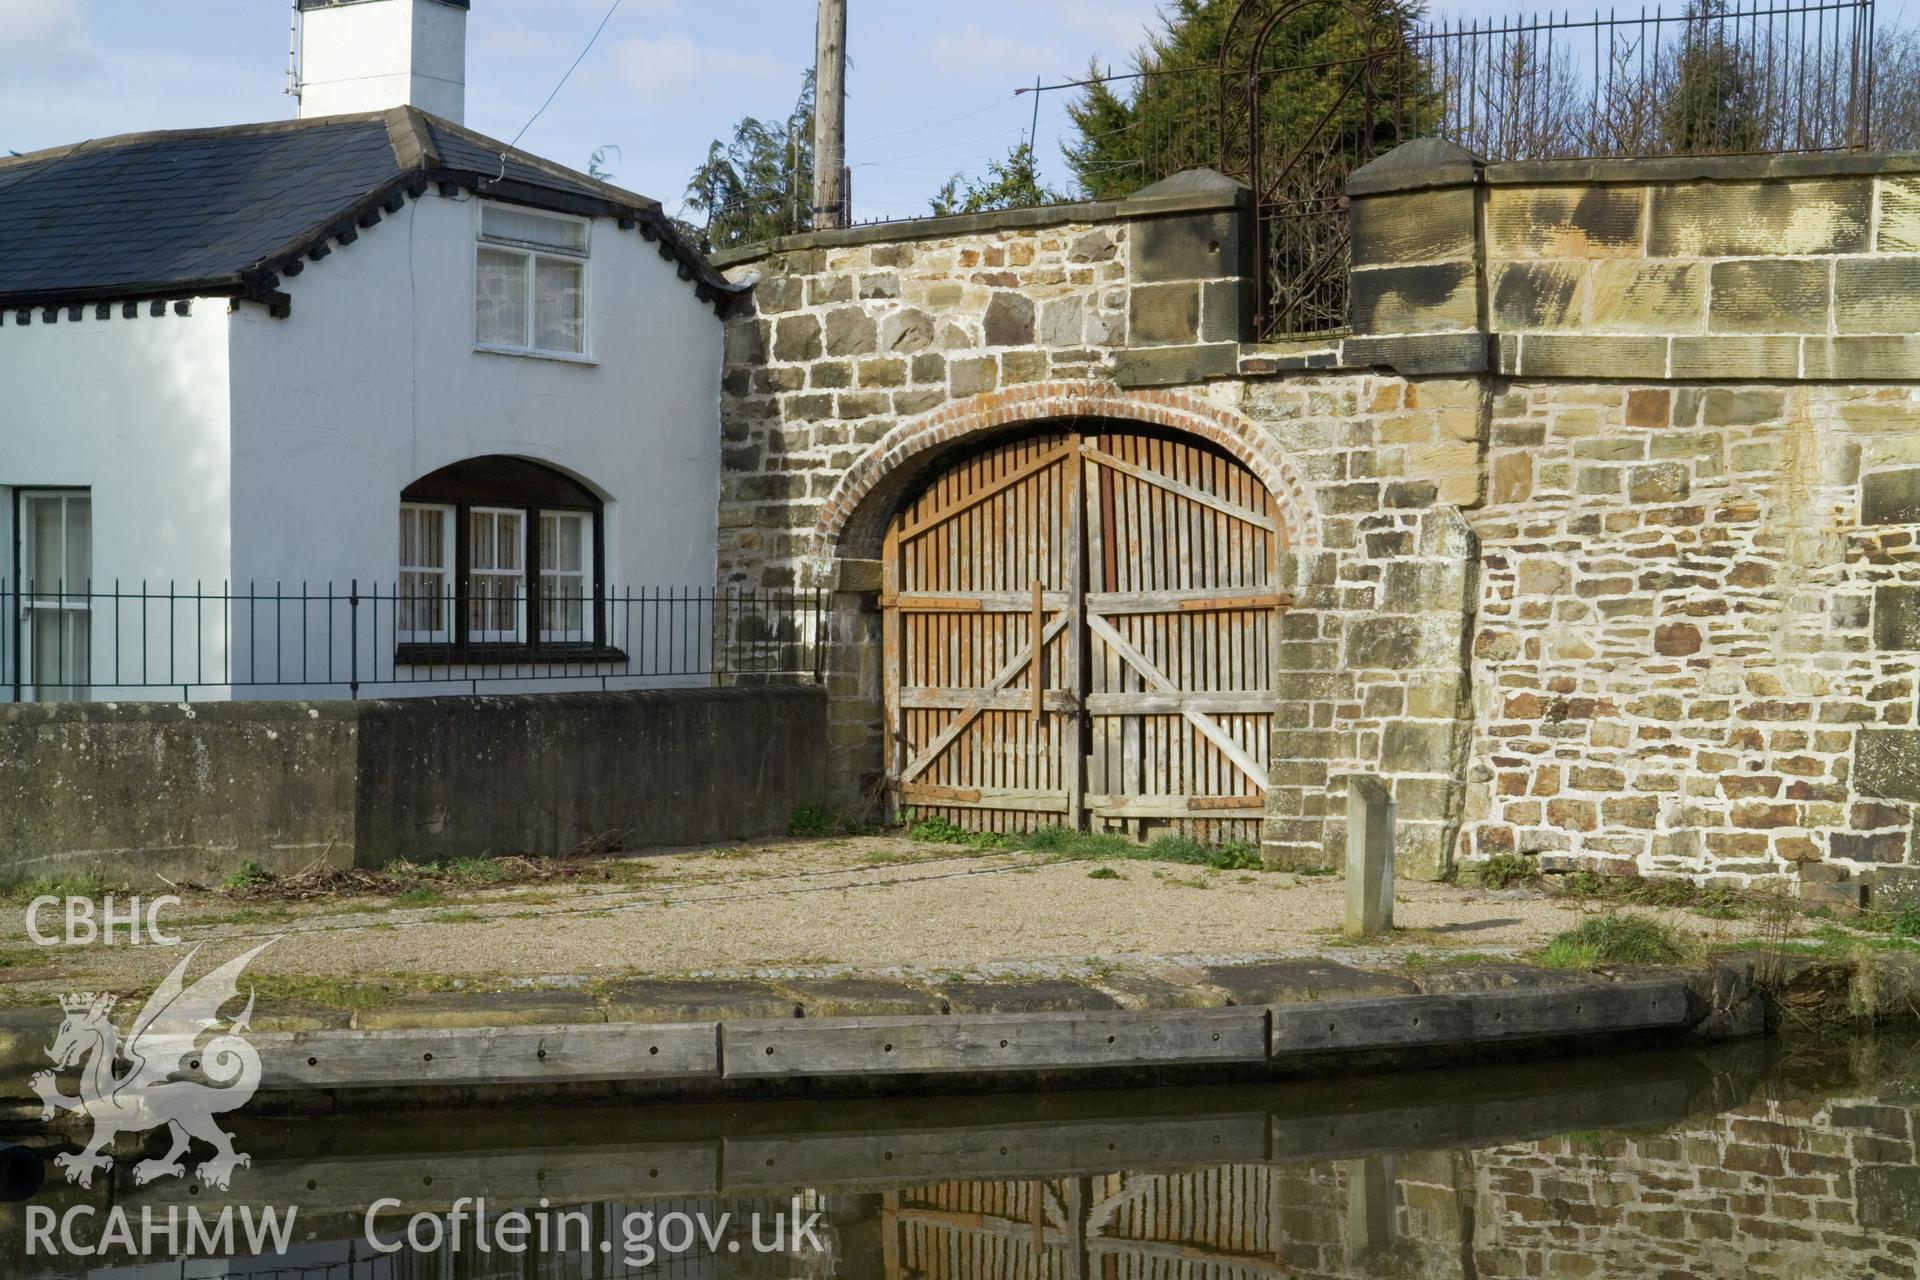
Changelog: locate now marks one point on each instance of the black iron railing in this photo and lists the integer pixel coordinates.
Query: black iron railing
(1742, 78)
(62, 643)
(1746, 76)
(1307, 91)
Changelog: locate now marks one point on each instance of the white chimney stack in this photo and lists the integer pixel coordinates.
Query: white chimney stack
(369, 55)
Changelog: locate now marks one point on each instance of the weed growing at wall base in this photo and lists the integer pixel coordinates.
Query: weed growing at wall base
(1721, 902)
(1066, 843)
(1504, 870)
(812, 820)
(85, 884)
(247, 875)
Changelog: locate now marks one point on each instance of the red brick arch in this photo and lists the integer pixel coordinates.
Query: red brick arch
(853, 521)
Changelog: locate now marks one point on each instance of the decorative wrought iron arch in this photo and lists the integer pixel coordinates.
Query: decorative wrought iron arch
(1299, 183)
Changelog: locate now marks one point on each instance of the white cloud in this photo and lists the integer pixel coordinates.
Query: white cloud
(674, 68)
(133, 91)
(1076, 30)
(975, 53)
(45, 39)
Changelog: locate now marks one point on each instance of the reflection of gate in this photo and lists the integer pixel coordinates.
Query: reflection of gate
(1310, 90)
(1141, 571)
(1213, 1222)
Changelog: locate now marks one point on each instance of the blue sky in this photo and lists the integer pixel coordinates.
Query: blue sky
(930, 87)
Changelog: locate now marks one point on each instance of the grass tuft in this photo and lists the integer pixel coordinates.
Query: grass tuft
(1504, 870)
(812, 820)
(1716, 901)
(1611, 939)
(1902, 922)
(1104, 873)
(938, 830)
(83, 884)
(21, 957)
(1582, 884)
(477, 870)
(274, 990)
(1234, 855)
(1068, 844)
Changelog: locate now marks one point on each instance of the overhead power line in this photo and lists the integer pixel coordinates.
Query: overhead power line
(591, 41)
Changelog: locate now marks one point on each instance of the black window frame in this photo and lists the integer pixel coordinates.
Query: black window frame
(518, 484)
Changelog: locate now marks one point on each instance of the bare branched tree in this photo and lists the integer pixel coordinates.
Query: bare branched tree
(1896, 90)
(1708, 81)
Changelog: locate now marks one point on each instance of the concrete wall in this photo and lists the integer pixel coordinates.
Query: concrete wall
(141, 790)
(625, 770)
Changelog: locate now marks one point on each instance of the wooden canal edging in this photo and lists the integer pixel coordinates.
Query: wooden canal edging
(740, 1054)
(510, 1156)
(691, 1039)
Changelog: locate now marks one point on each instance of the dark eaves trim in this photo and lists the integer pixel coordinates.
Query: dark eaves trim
(421, 167)
(412, 130)
(260, 281)
(168, 291)
(654, 226)
(19, 312)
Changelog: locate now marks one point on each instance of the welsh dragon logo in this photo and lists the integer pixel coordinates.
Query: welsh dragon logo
(132, 1089)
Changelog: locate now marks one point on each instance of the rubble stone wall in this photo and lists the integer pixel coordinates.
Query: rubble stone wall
(1601, 519)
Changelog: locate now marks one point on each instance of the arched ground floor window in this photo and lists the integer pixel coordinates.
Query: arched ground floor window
(500, 559)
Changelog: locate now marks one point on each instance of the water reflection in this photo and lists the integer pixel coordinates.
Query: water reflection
(1734, 1162)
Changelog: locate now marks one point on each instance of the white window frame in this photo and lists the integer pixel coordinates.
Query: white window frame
(584, 574)
(450, 550)
(532, 253)
(69, 599)
(517, 576)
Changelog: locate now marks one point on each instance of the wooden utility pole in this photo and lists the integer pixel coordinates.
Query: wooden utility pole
(830, 116)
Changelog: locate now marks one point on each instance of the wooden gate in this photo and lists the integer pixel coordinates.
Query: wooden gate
(1141, 570)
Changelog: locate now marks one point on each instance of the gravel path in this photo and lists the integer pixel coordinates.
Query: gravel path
(878, 904)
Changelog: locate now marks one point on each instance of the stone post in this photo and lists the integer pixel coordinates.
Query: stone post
(1370, 1216)
(856, 743)
(1191, 280)
(1369, 858)
(1418, 281)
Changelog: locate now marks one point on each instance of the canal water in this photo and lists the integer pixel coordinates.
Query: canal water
(1749, 1160)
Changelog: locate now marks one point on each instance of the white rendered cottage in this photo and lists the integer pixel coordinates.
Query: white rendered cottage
(367, 354)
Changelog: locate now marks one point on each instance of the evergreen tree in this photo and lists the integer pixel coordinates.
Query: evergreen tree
(1715, 101)
(1171, 118)
(597, 162)
(759, 185)
(1012, 183)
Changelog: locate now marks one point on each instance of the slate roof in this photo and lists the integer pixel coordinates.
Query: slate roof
(234, 211)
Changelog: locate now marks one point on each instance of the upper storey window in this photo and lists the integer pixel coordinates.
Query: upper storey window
(531, 281)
